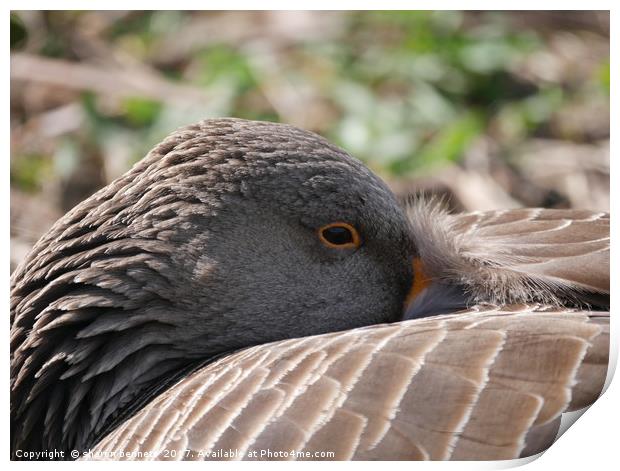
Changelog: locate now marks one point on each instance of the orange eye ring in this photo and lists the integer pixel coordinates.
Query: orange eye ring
(339, 235)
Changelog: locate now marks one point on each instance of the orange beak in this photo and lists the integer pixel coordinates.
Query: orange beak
(420, 282)
(430, 296)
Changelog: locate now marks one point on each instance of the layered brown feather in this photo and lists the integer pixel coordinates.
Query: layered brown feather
(516, 256)
(481, 384)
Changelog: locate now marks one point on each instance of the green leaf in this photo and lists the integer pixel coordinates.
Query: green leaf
(141, 111)
(29, 170)
(604, 76)
(447, 145)
(19, 34)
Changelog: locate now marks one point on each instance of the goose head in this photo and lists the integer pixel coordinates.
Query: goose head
(228, 234)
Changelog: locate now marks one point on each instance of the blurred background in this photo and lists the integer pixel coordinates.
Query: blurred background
(489, 109)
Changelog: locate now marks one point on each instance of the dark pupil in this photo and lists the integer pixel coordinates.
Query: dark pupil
(338, 235)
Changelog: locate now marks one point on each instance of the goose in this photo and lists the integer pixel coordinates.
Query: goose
(248, 290)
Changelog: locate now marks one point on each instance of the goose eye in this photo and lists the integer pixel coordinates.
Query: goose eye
(339, 235)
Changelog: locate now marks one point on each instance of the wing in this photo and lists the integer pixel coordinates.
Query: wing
(484, 384)
(570, 246)
(557, 257)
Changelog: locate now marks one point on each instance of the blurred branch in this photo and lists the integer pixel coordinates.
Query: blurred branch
(595, 21)
(120, 83)
(488, 194)
(56, 122)
(278, 27)
(294, 102)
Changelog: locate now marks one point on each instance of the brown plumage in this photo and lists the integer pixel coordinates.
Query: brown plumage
(474, 385)
(128, 316)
